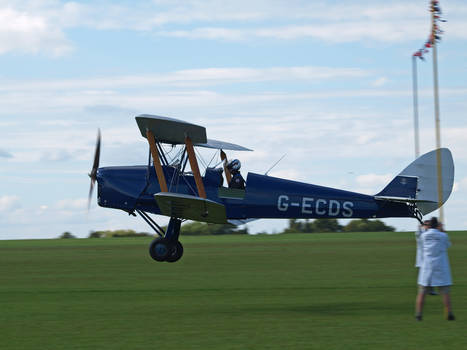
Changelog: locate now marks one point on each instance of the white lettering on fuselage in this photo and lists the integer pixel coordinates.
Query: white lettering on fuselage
(306, 205)
(318, 206)
(282, 203)
(347, 209)
(334, 207)
(320, 211)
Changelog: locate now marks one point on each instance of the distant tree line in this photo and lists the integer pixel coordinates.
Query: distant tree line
(109, 233)
(332, 225)
(192, 228)
(199, 228)
(117, 233)
(67, 235)
(295, 226)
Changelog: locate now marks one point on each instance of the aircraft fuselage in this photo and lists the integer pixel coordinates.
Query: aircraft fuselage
(132, 188)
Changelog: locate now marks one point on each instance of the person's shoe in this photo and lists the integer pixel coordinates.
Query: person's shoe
(451, 317)
(418, 317)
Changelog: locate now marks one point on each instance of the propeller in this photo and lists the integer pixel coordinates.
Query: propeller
(95, 166)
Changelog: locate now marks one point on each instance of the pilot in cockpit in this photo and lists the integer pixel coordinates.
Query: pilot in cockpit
(237, 180)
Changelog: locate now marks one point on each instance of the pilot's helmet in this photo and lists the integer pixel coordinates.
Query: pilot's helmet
(234, 165)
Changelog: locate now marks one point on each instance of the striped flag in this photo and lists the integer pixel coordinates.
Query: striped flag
(436, 32)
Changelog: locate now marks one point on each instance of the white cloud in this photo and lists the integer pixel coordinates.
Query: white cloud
(5, 154)
(207, 33)
(373, 181)
(56, 155)
(289, 174)
(184, 78)
(356, 22)
(8, 203)
(72, 204)
(379, 82)
(461, 184)
(173, 101)
(30, 33)
(54, 145)
(147, 15)
(41, 27)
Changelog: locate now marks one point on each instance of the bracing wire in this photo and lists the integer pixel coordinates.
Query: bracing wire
(177, 155)
(201, 158)
(170, 151)
(215, 152)
(219, 163)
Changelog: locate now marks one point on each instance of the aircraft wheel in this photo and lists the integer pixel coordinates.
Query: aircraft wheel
(176, 252)
(159, 249)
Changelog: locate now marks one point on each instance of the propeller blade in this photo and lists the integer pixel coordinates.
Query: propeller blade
(95, 166)
(91, 188)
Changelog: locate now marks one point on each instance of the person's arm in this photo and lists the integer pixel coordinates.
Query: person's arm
(448, 241)
(418, 232)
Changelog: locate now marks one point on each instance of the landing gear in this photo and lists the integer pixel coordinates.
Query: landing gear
(415, 212)
(166, 247)
(176, 252)
(162, 249)
(159, 249)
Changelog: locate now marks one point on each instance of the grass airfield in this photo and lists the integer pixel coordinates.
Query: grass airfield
(292, 291)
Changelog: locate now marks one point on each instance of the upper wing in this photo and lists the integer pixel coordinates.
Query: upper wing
(170, 130)
(174, 131)
(222, 145)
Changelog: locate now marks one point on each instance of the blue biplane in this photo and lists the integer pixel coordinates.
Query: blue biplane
(166, 187)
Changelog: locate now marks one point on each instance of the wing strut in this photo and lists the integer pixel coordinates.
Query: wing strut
(228, 175)
(194, 167)
(157, 161)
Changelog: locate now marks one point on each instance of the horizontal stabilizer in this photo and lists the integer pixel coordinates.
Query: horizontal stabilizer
(400, 199)
(190, 207)
(401, 186)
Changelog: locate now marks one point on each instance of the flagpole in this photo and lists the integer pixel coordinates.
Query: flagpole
(415, 106)
(437, 120)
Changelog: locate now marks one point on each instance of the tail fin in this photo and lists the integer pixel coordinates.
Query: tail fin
(418, 183)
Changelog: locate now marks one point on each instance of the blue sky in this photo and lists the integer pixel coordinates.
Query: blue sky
(327, 82)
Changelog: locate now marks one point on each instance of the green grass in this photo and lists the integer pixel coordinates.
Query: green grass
(294, 291)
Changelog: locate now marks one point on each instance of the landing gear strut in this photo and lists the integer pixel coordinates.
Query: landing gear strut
(166, 247)
(417, 214)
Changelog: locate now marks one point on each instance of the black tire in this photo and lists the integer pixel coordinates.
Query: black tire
(176, 252)
(159, 249)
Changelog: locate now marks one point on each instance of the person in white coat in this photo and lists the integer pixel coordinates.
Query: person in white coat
(419, 252)
(418, 234)
(435, 270)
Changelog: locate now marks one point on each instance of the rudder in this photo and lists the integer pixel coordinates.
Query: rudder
(418, 182)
